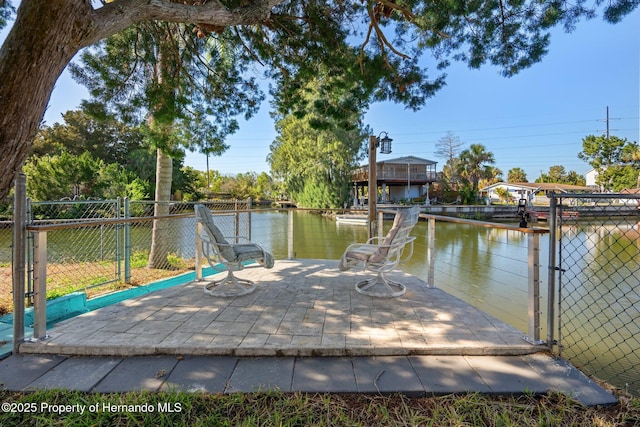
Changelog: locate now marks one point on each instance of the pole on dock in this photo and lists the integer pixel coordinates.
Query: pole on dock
(373, 187)
(19, 252)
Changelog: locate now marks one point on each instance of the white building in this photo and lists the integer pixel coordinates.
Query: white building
(533, 192)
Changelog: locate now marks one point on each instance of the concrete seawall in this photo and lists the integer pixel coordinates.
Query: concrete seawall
(509, 212)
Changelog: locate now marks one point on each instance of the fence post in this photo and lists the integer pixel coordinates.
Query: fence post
(290, 253)
(118, 215)
(551, 297)
(249, 203)
(40, 285)
(127, 241)
(19, 252)
(431, 250)
(380, 226)
(198, 251)
(236, 221)
(534, 289)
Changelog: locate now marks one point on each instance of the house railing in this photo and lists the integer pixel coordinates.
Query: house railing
(397, 175)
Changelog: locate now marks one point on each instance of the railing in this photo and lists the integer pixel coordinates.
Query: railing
(533, 277)
(292, 230)
(397, 175)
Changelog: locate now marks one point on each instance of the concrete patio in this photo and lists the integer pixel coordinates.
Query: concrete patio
(300, 308)
(306, 329)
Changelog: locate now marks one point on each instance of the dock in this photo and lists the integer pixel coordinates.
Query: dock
(305, 328)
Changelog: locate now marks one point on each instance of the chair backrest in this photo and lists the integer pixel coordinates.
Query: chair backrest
(204, 217)
(398, 235)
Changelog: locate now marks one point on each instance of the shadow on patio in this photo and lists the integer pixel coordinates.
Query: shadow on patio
(300, 308)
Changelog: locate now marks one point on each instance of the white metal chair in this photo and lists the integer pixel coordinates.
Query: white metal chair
(383, 255)
(217, 250)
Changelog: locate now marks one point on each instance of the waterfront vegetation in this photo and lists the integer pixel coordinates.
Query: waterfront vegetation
(302, 409)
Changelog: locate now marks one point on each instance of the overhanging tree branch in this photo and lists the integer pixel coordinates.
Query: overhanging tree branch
(120, 14)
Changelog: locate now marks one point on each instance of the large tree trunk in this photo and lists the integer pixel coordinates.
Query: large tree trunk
(41, 43)
(159, 236)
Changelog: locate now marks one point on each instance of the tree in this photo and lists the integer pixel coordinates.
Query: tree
(250, 184)
(284, 35)
(314, 154)
(65, 175)
(491, 175)
(113, 142)
(616, 160)
(448, 147)
(264, 186)
(503, 194)
(182, 91)
(315, 164)
(473, 165)
(105, 138)
(558, 174)
(516, 175)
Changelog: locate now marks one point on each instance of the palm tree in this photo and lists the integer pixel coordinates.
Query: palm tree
(516, 175)
(472, 168)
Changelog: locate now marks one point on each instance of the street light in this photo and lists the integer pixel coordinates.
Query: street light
(384, 143)
(385, 148)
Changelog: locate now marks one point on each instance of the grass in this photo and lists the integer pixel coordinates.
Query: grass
(65, 278)
(301, 409)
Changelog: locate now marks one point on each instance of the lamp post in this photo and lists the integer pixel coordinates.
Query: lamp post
(385, 148)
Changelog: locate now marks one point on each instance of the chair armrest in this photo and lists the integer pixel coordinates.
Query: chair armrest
(237, 239)
(374, 240)
(361, 246)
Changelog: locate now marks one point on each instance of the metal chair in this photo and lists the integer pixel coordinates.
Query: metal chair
(383, 255)
(217, 250)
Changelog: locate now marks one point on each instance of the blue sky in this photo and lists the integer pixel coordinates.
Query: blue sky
(534, 120)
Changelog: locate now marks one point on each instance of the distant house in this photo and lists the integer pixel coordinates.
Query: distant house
(591, 178)
(531, 191)
(397, 179)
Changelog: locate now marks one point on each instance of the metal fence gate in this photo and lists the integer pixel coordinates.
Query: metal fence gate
(598, 284)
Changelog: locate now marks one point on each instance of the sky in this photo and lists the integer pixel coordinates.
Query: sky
(534, 120)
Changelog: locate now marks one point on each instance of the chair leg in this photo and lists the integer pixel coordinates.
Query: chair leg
(230, 286)
(381, 287)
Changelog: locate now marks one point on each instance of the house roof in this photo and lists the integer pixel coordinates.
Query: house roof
(413, 160)
(631, 191)
(539, 186)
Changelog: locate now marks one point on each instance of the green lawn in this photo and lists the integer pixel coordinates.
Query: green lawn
(44, 408)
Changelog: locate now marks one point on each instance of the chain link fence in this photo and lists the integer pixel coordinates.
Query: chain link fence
(599, 285)
(102, 246)
(77, 258)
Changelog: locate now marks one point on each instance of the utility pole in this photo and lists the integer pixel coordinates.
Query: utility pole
(607, 120)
